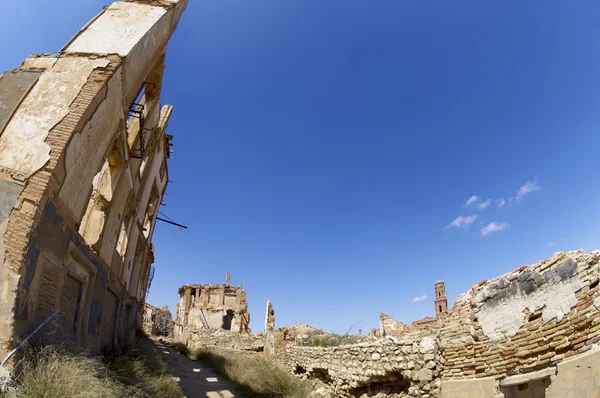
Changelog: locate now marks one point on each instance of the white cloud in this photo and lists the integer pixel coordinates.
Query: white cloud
(484, 205)
(418, 298)
(493, 227)
(471, 200)
(462, 222)
(527, 188)
(551, 243)
(500, 203)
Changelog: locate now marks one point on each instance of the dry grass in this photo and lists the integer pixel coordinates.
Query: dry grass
(253, 375)
(331, 340)
(51, 372)
(180, 348)
(143, 368)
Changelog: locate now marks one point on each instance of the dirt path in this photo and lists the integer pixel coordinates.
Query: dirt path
(196, 379)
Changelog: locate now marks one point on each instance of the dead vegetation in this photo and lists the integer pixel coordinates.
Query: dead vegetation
(253, 375)
(180, 348)
(52, 372)
(143, 368)
(330, 340)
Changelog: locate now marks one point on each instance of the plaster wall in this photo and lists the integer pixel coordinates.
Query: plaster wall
(118, 29)
(59, 134)
(22, 144)
(578, 377)
(137, 32)
(87, 150)
(484, 387)
(526, 320)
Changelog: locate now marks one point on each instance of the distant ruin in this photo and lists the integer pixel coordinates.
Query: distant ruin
(388, 326)
(157, 321)
(211, 307)
(83, 170)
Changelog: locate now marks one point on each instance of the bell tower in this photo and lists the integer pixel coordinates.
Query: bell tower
(441, 303)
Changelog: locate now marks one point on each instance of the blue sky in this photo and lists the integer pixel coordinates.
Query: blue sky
(324, 151)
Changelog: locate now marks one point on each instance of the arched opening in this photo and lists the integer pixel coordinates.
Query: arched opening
(440, 308)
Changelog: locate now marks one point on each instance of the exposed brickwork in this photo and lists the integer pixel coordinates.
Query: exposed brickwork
(47, 202)
(70, 316)
(108, 318)
(526, 323)
(537, 344)
(48, 292)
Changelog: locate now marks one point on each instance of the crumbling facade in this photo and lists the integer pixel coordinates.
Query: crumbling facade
(83, 168)
(157, 321)
(211, 307)
(533, 332)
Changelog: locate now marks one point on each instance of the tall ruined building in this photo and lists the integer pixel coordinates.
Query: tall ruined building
(211, 307)
(83, 169)
(441, 302)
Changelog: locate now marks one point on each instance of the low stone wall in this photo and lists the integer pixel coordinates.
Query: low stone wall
(403, 368)
(224, 339)
(530, 332)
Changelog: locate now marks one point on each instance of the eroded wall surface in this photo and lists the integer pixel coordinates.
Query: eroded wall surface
(157, 321)
(405, 367)
(82, 173)
(211, 307)
(531, 332)
(526, 320)
(522, 328)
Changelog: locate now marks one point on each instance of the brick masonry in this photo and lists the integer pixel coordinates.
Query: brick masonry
(46, 263)
(532, 330)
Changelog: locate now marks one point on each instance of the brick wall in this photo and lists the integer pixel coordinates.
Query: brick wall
(526, 320)
(108, 319)
(69, 318)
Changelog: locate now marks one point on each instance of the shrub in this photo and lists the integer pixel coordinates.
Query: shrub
(253, 375)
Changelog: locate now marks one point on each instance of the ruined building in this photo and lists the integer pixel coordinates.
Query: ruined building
(211, 307)
(532, 332)
(83, 169)
(157, 321)
(388, 326)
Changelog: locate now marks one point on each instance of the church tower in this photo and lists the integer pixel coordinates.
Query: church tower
(441, 303)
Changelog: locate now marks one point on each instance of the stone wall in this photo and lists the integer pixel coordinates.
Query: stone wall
(225, 339)
(406, 367)
(81, 177)
(531, 332)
